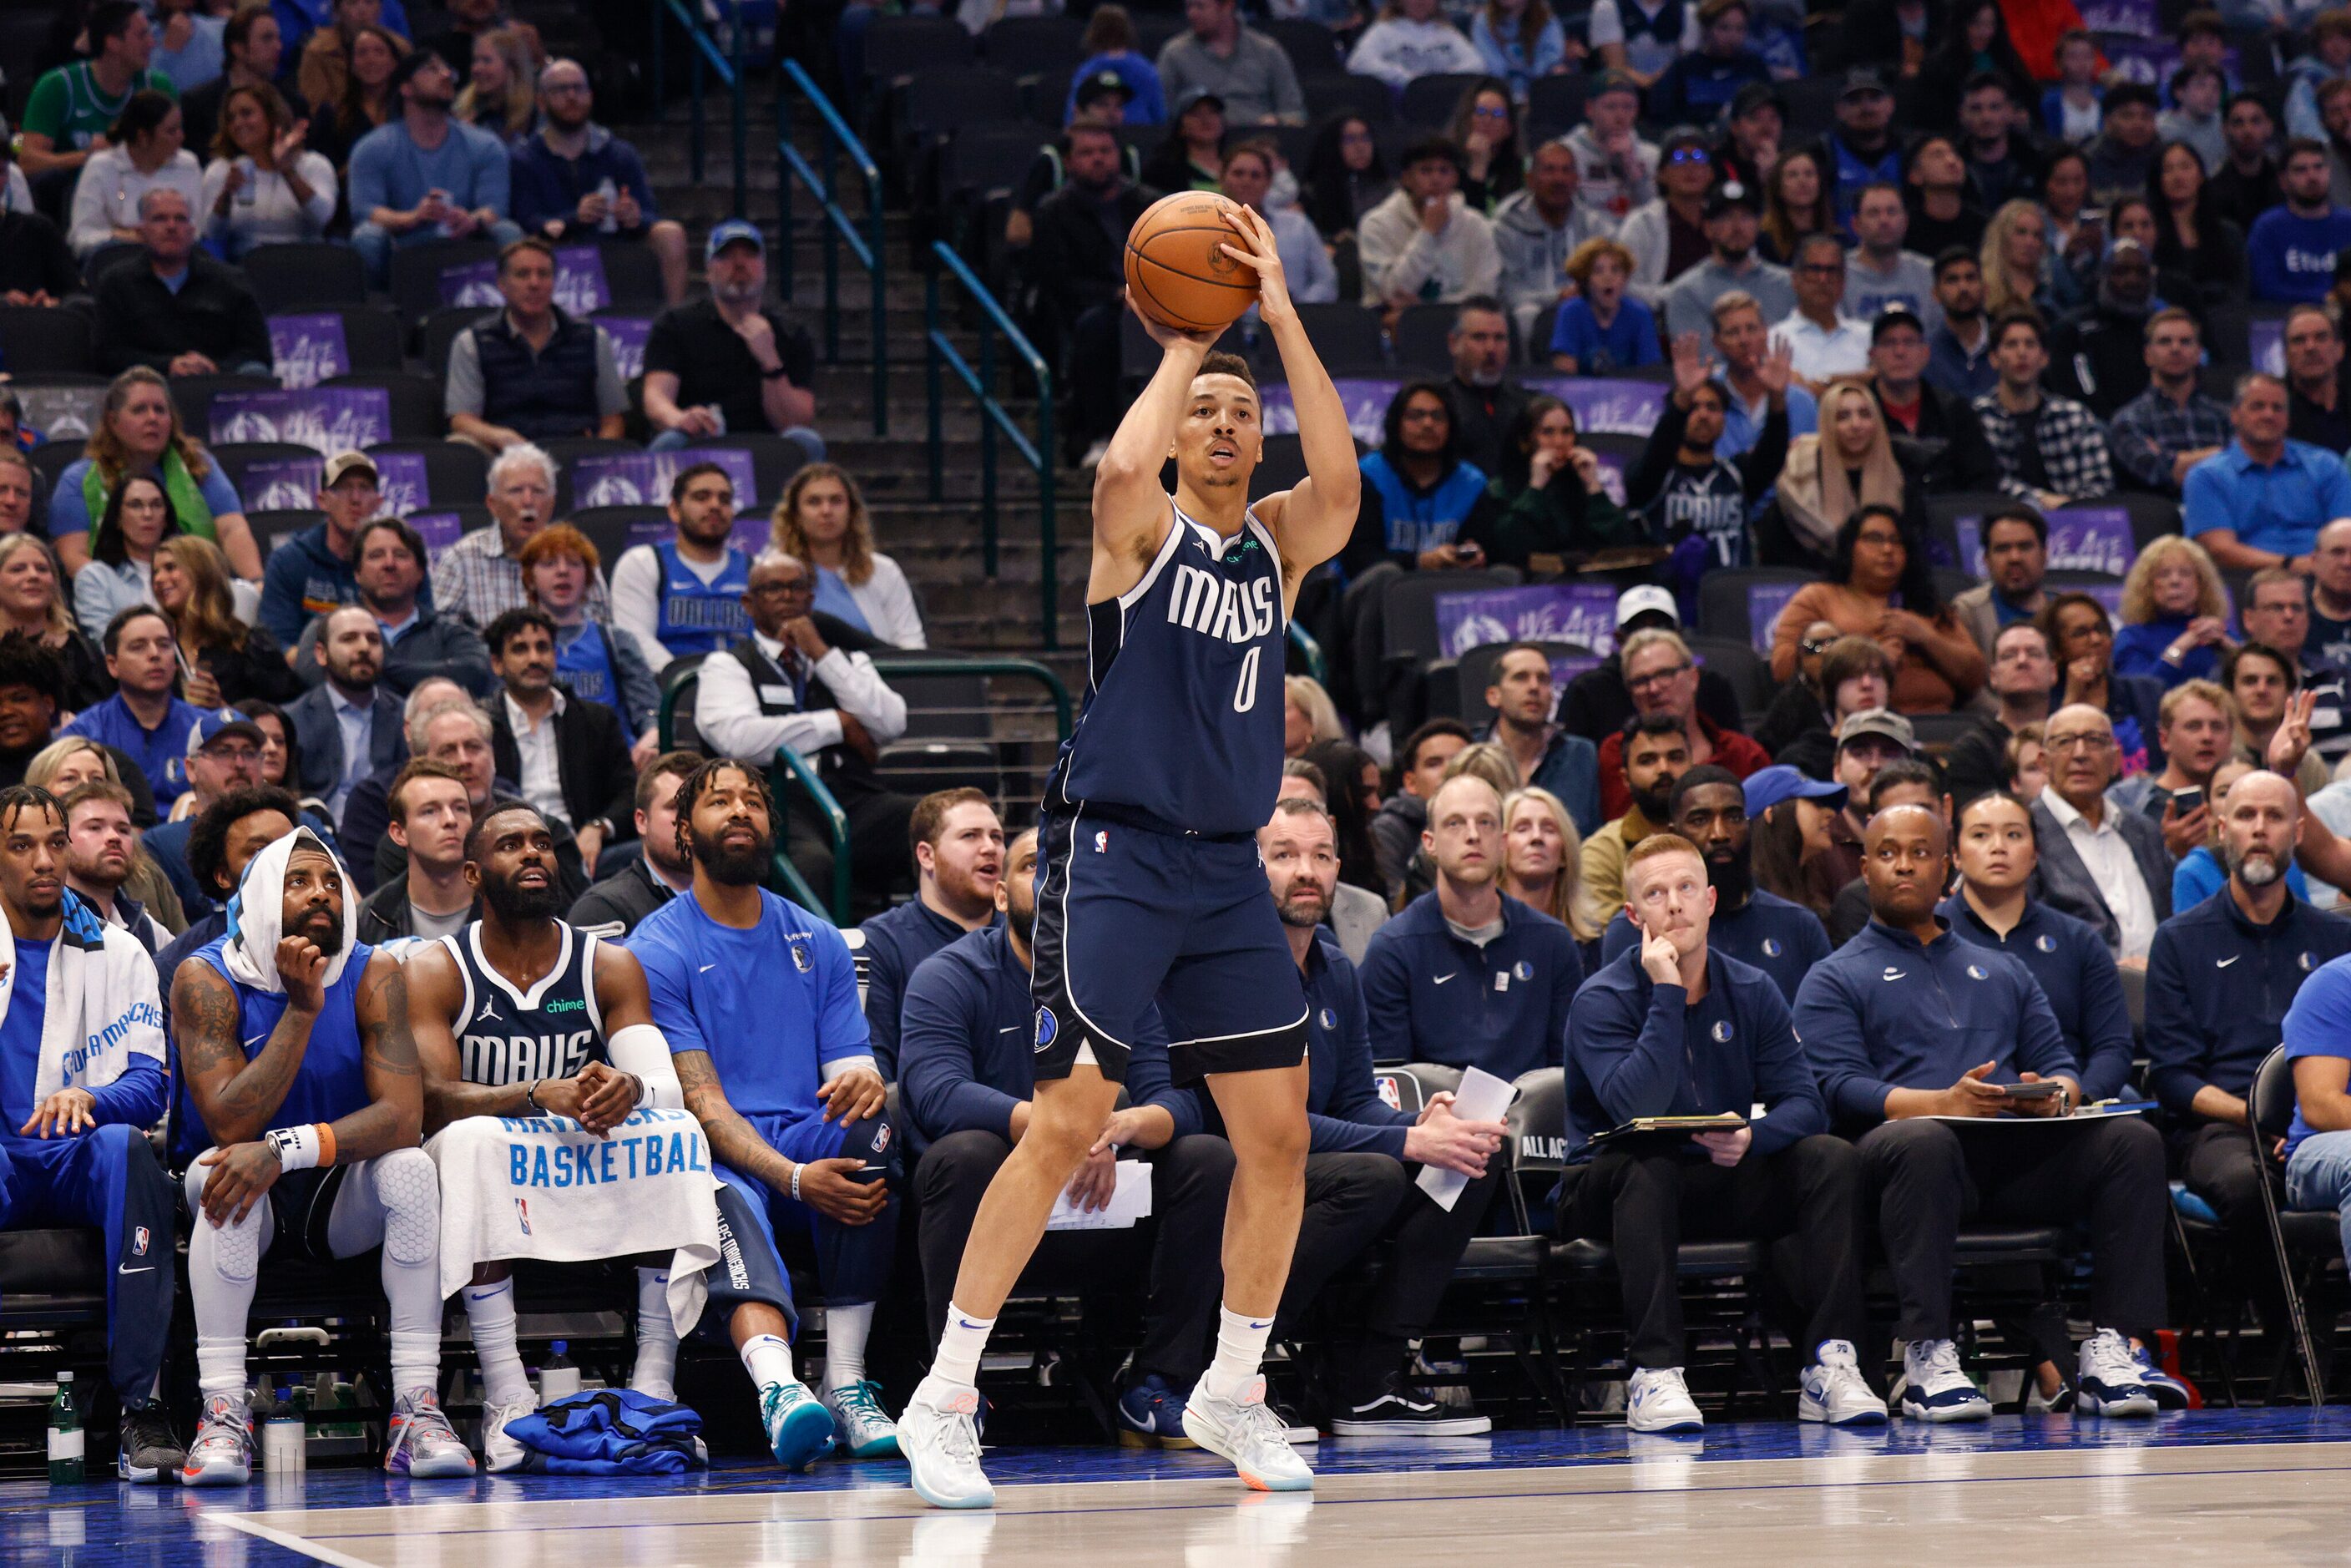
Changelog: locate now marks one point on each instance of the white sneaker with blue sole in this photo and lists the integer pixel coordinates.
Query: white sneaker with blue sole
(799, 1428)
(1935, 1389)
(938, 1434)
(1658, 1400)
(1834, 1391)
(2109, 1384)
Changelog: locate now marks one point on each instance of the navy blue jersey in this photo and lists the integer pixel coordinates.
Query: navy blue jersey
(507, 1036)
(1183, 718)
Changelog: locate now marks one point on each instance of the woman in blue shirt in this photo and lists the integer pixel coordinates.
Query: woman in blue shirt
(139, 433)
(2175, 614)
(1602, 330)
(1519, 40)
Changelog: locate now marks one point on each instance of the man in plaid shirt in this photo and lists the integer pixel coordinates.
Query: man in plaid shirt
(2172, 426)
(2051, 449)
(478, 577)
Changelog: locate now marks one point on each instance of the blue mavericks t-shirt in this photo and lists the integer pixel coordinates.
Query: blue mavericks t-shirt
(770, 1006)
(2318, 1024)
(332, 1082)
(20, 1035)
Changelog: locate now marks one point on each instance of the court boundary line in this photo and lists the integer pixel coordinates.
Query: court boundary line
(340, 1560)
(289, 1542)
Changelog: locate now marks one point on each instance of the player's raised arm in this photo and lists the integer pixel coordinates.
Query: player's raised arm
(1130, 505)
(1320, 514)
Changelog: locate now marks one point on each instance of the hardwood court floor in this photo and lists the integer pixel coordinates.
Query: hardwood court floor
(2245, 1488)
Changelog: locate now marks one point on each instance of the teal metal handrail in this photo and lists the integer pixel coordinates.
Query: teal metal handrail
(792, 767)
(835, 138)
(703, 52)
(994, 417)
(1065, 710)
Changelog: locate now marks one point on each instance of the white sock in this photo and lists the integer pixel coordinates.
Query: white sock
(220, 1365)
(490, 1309)
(845, 1329)
(656, 1370)
(957, 1363)
(1240, 1352)
(767, 1359)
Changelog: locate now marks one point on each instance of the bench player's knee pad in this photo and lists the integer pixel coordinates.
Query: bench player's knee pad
(410, 1190)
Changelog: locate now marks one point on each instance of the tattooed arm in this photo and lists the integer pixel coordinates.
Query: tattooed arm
(733, 1142)
(394, 1119)
(237, 1098)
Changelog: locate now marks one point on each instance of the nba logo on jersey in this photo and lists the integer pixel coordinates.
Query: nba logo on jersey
(800, 957)
(522, 1212)
(1101, 841)
(138, 1241)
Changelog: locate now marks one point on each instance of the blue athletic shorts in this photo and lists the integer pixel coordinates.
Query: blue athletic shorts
(1125, 915)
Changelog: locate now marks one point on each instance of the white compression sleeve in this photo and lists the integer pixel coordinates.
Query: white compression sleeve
(642, 1049)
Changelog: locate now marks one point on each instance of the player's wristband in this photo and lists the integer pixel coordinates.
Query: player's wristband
(530, 1097)
(302, 1148)
(796, 1181)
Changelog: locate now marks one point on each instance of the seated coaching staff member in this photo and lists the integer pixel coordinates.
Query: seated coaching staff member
(1761, 929)
(2065, 957)
(958, 844)
(2220, 978)
(1908, 1022)
(1466, 975)
(1672, 1029)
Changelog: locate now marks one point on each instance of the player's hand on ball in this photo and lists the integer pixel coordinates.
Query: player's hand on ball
(1168, 337)
(1261, 256)
(853, 1095)
(826, 1186)
(242, 1173)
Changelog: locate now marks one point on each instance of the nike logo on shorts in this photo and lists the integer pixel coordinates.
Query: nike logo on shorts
(121, 1269)
(705, 968)
(2224, 963)
(1442, 979)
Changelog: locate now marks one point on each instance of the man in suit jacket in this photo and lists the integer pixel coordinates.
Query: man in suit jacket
(571, 758)
(2098, 862)
(349, 728)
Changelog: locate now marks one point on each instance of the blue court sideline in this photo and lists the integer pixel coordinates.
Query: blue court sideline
(169, 1528)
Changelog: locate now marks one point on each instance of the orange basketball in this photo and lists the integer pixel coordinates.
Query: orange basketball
(1175, 271)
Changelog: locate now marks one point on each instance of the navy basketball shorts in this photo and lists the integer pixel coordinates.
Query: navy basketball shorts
(1126, 916)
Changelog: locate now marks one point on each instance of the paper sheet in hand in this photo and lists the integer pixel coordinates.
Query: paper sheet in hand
(1130, 1203)
(1482, 1097)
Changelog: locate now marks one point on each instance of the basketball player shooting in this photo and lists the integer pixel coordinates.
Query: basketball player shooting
(1149, 886)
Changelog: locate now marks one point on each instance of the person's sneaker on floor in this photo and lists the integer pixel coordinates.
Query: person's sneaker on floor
(420, 1443)
(501, 1453)
(863, 1430)
(1397, 1411)
(1835, 1392)
(2039, 1402)
(2110, 1383)
(222, 1454)
(1249, 1433)
(2171, 1393)
(1658, 1400)
(937, 1435)
(1935, 1389)
(799, 1428)
(147, 1452)
(1294, 1427)
(1151, 1415)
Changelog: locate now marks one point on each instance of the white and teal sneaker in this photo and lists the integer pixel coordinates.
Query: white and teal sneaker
(859, 1424)
(799, 1428)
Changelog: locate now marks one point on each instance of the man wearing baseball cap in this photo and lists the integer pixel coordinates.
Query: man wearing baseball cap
(1861, 149)
(1596, 705)
(1098, 100)
(1667, 236)
(1865, 742)
(1616, 169)
(731, 363)
(1947, 430)
(312, 573)
(223, 754)
(424, 175)
(1733, 219)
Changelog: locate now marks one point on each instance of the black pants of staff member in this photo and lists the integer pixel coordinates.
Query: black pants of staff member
(1644, 1196)
(2216, 1161)
(1349, 1200)
(1188, 1188)
(1931, 1177)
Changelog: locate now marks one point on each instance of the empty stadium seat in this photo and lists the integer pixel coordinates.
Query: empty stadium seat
(1313, 49)
(274, 529)
(613, 530)
(1724, 602)
(192, 396)
(1431, 101)
(416, 272)
(456, 474)
(415, 400)
(633, 275)
(319, 275)
(1347, 336)
(46, 340)
(1027, 45)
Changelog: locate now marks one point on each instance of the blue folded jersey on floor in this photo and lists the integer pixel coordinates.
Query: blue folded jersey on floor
(612, 1432)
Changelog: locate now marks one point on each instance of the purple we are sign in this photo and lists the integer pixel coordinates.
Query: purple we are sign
(326, 420)
(291, 484)
(439, 530)
(2081, 538)
(1765, 602)
(1582, 613)
(579, 285)
(1607, 407)
(642, 478)
(308, 349)
(628, 334)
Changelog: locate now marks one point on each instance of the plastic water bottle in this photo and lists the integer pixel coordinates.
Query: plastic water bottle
(284, 1450)
(610, 193)
(248, 190)
(65, 1436)
(559, 1377)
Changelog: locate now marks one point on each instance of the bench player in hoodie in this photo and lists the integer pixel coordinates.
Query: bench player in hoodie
(299, 1106)
(521, 1016)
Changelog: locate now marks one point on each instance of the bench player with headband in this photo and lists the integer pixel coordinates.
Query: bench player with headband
(299, 1109)
(539, 1048)
(1149, 885)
